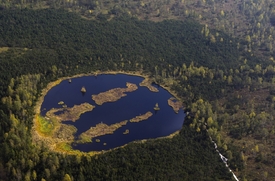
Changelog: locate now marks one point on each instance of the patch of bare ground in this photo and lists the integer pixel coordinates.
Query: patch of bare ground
(246, 98)
(258, 96)
(113, 94)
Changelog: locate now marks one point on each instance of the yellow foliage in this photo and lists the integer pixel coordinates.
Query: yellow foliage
(210, 121)
(198, 129)
(256, 148)
(44, 126)
(14, 121)
(222, 13)
(3, 49)
(252, 114)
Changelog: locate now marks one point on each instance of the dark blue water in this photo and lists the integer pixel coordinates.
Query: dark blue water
(162, 123)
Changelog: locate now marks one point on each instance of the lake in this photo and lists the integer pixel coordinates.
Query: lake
(162, 123)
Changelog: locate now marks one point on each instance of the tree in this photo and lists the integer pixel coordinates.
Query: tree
(28, 176)
(248, 38)
(260, 80)
(225, 147)
(229, 154)
(54, 70)
(212, 39)
(34, 175)
(265, 175)
(205, 30)
(11, 82)
(10, 91)
(14, 120)
(257, 148)
(229, 79)
(222, 13)
(242, 156)
(210, 121)
(67, 178)
(258, 69)
(47, 173)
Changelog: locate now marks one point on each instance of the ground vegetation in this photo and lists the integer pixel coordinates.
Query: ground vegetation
(226, 82)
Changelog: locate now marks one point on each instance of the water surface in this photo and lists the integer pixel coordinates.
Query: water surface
(163, 122)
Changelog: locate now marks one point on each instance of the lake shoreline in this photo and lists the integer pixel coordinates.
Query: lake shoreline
(65, 147)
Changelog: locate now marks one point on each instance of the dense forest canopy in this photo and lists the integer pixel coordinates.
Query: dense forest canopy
(222, 70)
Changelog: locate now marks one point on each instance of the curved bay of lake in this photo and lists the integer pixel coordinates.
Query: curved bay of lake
(163, 122)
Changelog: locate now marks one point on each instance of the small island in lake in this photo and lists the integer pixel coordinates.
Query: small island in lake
(156, 108)
(69, 114)
(113, 94)
(141, 117)
(83, 89)
(99, 130)
(126, 131)
(61, 103)
(175, 104)
(147, 83)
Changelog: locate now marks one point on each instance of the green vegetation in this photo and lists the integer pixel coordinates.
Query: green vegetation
(66, 56)
(85, 138)
(226, 82)
(49, 129)
(45, 126)
(64, 146)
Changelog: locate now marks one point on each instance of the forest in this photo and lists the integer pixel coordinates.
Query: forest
(225, 79)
